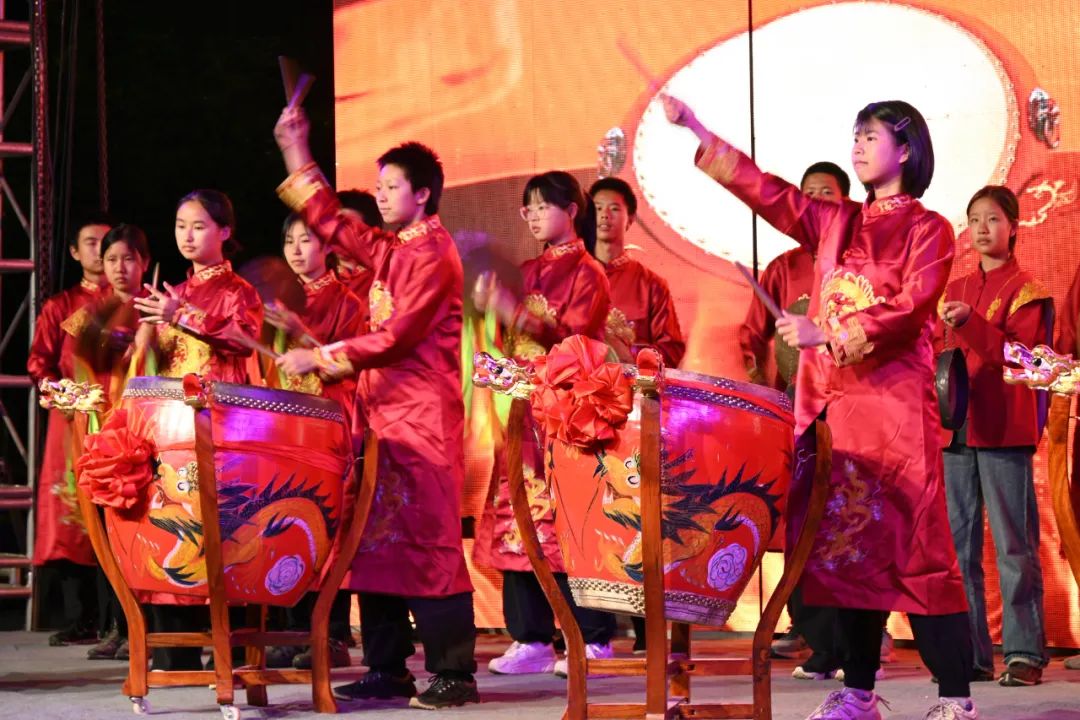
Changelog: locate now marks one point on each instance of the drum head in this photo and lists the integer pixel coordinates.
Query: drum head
(951, 382)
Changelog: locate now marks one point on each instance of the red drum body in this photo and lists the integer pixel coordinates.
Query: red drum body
(726, 461)
(280, 459)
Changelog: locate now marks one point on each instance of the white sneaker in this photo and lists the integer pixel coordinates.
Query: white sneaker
(951, 709)
(593, 651)
(847, 704)
(879, 675)
(800, 674)
(523, 659)
(887, 654)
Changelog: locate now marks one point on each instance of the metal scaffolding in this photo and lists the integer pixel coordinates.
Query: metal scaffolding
(23, 43)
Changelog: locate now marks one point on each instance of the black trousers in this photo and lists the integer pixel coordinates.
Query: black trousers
(76, 586)
(817, 625)
(446, 628)
(944, 643)
(298, 617)
(529, 617)
(109, 610)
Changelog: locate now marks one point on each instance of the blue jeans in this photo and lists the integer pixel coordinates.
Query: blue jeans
(1002, 480)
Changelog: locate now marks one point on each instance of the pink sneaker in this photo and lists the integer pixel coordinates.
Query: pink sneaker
(953, 709)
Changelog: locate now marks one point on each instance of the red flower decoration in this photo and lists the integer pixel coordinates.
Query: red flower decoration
(580, 398)
(116, 466)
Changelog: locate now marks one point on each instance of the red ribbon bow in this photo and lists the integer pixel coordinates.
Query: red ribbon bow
(116, 466)
(580, 398)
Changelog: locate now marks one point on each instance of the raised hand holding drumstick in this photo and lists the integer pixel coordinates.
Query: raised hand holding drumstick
(160, 306)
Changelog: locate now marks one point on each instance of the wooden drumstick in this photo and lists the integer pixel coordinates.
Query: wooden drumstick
(766, 300)
(289, 73)
(157, 273)
(303, 84)
(634, 59)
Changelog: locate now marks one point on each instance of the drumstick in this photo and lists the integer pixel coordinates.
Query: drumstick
(157, 271)
(301, 90)
(289, 73)
(766, 300)
(255, 345)
(634, 59)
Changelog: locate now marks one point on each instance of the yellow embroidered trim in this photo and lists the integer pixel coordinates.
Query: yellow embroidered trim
(992, 310)
(420, 229)
(847, 340)
(619, 261)
(89, 285)
(380, 305)
(1032, 290)
(212, 272)
(301, 186)
(618, 325)
(537, 305)
(718, 160)
(565, 249)
(183, 352)
(884, 206)
(316, 285)
(333, 361)
(76, 322)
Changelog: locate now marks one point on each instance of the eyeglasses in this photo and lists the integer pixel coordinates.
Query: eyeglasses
(537, 211)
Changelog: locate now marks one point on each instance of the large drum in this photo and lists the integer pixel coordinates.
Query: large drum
(280, 459)
(726, 461)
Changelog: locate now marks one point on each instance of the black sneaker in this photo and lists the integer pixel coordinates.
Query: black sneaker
(446, 691)
(282, 656)
(1020, 674)
(378, 684)
(73, 636)
(339, 656)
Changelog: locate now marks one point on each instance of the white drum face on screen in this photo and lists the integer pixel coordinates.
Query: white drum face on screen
(813, 71)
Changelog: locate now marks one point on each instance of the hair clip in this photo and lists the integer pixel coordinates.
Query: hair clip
(903, 123)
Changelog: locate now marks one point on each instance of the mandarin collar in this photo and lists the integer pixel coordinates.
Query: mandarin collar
(209, 272)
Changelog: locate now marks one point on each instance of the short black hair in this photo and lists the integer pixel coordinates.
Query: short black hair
(84, 219)
(363, 202)
(908, 127)
(617, 185)
(422, 168)
(131, 235)
(829, 168)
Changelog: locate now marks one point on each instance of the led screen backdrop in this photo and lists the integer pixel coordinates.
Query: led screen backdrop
(506, 88)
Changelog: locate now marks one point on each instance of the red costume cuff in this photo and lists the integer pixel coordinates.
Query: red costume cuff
(718, 160)
(847, 340)
(301, 186)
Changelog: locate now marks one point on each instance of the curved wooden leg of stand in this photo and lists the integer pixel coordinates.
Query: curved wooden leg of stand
(135, 686)
(255, 655)
(577, 692)
(220, 631)
(793, 568)
(1057, 432)
(355, 522)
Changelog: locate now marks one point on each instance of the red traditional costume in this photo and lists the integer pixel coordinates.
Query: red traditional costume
(1007, 304)
(408, 392)
(219, 311)
(331, 313)
(566, 293)
(60, 533)
(642, 312)
(880, 269)
(788, 279)
(358, 280)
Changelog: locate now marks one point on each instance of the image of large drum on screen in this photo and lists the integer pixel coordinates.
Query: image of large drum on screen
(281, 459)
(726, 461)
